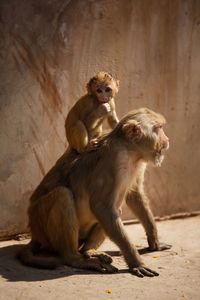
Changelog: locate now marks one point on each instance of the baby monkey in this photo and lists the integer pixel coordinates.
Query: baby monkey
(85, 119)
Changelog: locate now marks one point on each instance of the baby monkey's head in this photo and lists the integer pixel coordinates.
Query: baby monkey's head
(103, 86)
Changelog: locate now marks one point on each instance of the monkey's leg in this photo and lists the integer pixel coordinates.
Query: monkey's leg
(63, 229)
(138, 203)
(77, 136)
(94, 240)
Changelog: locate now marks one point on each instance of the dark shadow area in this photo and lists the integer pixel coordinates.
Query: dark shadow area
(11, 268)
(141, 251)
(118, 253)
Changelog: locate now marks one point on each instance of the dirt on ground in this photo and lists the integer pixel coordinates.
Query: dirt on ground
(179, 270)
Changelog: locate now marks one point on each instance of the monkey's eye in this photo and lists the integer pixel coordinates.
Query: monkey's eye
(156, 127)
(99, 91)
(108, 89)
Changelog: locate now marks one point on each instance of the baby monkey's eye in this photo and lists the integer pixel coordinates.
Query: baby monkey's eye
(99, 91)
(108, 89)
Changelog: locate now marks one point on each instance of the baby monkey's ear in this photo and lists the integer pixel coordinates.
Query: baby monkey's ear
(89, 85)
(132, 130)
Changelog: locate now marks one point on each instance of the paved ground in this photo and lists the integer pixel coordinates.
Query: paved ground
(179, 270)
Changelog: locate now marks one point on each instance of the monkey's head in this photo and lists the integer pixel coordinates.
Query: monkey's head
(103, 86)
(143, 129)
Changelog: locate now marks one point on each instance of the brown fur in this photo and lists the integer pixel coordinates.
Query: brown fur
(84, 121)
(77, 205)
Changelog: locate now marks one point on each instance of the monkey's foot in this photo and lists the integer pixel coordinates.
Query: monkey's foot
(93, 263)
(159, 247)
(106, 268)
(102, 256)
(143, 271)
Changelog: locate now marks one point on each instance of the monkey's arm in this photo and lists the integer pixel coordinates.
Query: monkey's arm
(114, 228)
(113, 119)
(139, 204)
(99, 113)
(92, 119)
(112, 116)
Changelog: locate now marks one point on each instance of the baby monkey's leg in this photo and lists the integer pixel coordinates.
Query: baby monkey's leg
(77, 136)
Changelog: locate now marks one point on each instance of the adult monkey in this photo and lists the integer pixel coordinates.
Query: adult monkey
(84, 121)
(75, 207)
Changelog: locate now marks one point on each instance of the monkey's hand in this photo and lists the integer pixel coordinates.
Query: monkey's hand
(143, 271)
(92, 145)
(104, 109)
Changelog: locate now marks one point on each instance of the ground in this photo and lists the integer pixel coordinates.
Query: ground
(179, 270)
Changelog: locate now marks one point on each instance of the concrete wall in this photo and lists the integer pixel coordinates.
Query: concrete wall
(49, 50)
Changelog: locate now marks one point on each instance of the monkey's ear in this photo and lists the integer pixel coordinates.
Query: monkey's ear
(132, 130)
(88, 87)
(90, 83)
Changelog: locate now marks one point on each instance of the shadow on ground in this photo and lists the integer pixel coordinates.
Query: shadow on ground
(12, 270)
(178, 268)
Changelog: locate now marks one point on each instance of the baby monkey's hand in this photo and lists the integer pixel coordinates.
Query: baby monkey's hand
(92, 145)
(104, 109)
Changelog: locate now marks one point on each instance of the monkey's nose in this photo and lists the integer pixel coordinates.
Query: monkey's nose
(166, 143)
(105, 99)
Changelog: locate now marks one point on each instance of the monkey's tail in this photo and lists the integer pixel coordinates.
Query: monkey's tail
(28, 258)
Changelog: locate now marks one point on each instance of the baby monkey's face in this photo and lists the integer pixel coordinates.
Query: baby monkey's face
(104, 93)
(103, 86)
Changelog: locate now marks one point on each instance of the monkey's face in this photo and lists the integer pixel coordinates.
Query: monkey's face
(161, 144)
(104, 93)
(103, 86)
(145, 133)
(152, 143)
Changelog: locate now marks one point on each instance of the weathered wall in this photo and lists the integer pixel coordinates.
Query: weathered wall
(48, 51)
